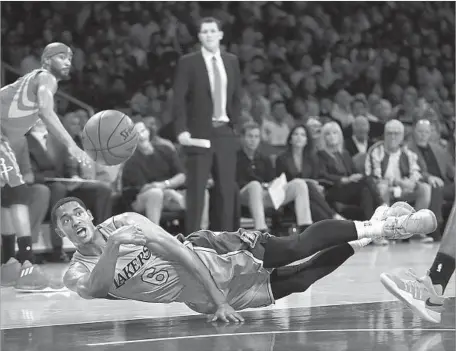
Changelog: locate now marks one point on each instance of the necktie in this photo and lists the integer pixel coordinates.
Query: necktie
(217, 93)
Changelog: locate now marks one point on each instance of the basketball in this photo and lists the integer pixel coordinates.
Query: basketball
(109, 137)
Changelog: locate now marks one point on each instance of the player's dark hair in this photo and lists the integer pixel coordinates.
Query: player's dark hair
(209, 20)
(62, 202)
(247, 126)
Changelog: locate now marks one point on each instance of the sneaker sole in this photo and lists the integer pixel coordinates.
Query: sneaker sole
(419, 308)
(34, 290)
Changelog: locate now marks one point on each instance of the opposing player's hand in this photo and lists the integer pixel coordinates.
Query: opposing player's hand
(129, 234)
(80, 156)
(226, 313)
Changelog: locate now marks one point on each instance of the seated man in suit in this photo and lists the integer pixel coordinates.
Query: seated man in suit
(255, 173)
(396, 170)
(35, 201)
(436, 165)
(359, 142)
(151, 179)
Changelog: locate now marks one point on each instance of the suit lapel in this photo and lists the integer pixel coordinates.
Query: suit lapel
(201, 66)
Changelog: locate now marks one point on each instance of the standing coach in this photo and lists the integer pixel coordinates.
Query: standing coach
(206, 105)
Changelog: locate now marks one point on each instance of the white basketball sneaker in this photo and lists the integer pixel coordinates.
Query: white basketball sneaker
(397, 209)
(405, 226)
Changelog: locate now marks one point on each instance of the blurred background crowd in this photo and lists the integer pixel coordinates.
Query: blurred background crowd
(358, 64)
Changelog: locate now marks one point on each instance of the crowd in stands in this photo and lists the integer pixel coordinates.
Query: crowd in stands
(353, 102)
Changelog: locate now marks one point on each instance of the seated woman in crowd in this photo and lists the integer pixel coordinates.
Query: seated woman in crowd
(300, 161)
(337, 168)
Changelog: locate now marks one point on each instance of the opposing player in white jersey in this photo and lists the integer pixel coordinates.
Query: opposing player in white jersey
(22, 103)
(129, 257)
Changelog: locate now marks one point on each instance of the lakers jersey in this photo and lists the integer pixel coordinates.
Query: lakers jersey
(19, 105)
(141, 275)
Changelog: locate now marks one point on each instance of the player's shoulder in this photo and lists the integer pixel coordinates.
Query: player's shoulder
(107, 227)
(44, 75)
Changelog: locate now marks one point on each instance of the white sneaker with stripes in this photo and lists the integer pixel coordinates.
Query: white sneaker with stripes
(32, 279)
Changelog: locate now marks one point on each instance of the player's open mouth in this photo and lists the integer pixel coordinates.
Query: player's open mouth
(81, 232)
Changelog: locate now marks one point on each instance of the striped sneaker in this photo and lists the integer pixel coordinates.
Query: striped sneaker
(403, 227)
(417, 293)
(10, 272)
(33, 279)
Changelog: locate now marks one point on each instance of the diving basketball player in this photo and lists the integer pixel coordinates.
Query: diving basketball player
(22, 103)
(424, 295)
(129, 257)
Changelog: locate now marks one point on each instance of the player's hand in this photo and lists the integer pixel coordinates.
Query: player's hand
(128, 234)
(80, 156)
(158, 185)
(435, 182)
(226, 313)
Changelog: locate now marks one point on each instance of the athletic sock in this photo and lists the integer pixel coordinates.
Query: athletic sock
(25, 252)
(8, 246)
(369, 229)
(442, 269)
(359, 244)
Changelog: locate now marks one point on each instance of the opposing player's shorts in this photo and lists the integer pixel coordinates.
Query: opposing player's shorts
(235, 260)
(9, 169)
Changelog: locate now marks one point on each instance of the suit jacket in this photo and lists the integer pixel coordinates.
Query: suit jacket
(42, 163)
(350, 146)
(192, 101)
(333, 171)
(259, 169)
(310, 166)
(444, 161)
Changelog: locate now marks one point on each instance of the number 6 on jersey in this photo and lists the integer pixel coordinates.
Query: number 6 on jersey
(155, 278)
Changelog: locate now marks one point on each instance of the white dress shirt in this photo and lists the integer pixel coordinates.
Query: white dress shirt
(207, 55)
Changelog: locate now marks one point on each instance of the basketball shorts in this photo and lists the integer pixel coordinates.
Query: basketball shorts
(235, 260)
(9, 168)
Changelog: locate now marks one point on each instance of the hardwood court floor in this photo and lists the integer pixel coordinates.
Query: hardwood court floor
(348, 310)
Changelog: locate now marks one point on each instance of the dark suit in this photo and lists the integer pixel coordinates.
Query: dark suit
(364, 192)
(442, 167)
(351, 147)
(319, 208)
(192, 111)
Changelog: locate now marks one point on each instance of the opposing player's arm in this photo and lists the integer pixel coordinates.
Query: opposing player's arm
(169, 248)
(47, 86)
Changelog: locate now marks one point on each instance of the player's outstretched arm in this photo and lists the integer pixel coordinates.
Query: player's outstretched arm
(47, 86)
(96, 284)
(169, 248)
